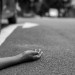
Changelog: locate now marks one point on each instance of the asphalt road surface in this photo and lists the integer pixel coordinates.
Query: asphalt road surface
(56, 38)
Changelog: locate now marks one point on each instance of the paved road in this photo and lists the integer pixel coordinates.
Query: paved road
(56, 38)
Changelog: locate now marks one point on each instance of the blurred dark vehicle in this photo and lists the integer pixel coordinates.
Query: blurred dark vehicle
(9, 11)
(26, 8)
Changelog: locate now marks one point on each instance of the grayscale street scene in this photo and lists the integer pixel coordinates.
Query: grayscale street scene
(37, 37)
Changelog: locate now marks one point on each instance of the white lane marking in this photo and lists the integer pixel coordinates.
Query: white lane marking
(29, 25)
(6, 32)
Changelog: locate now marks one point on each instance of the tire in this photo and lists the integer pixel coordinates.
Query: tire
(12, 20)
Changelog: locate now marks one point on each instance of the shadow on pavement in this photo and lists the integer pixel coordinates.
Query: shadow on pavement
(4, 25)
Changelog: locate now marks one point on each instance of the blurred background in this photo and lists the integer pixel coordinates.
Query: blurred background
(12, 10)
(48, 8)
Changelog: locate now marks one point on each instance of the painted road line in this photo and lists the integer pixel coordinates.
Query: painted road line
(6, 32)
(29, 25)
